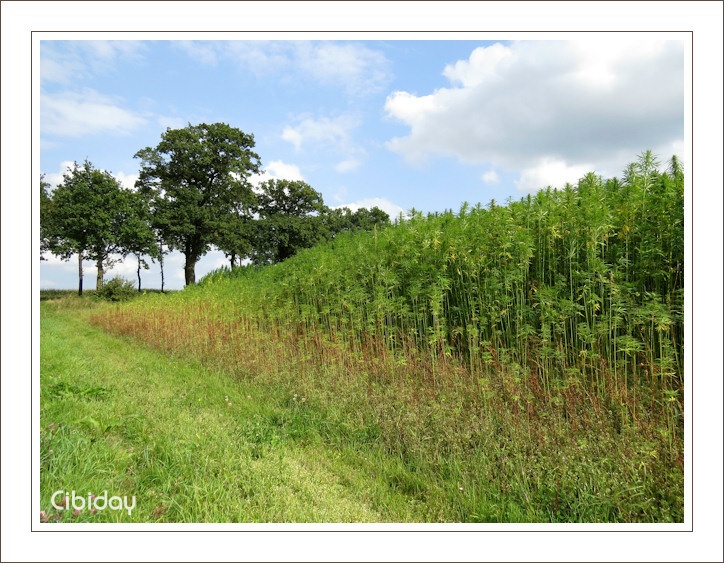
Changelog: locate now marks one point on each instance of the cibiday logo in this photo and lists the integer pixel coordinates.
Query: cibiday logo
(93, 502)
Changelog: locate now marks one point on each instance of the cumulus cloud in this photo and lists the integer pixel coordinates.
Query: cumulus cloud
(283, 171)
(546, 110)
(74, 114)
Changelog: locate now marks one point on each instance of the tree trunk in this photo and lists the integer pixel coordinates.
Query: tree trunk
(80, 274)
(99, 277)
(190, 270)
(161, 262)
(138, 271)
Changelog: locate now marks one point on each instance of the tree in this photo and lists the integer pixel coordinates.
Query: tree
(290, 218)
(368, 219)
(235, 235)
(137, 235)
(87, 216)
(46, 215)
(197, 177)
(342, 219)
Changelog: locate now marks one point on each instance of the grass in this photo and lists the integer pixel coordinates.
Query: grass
(429, 446)
(190, 443)
(194, 443)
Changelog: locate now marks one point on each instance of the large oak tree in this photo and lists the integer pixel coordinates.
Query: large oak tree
(197, 178)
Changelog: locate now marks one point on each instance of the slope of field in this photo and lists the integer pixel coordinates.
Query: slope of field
(527, 358)
(189, 443)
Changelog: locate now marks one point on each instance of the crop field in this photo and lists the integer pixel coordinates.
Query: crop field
(503, 363)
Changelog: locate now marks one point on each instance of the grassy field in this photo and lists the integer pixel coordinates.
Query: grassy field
(193, 444)
(193, 441)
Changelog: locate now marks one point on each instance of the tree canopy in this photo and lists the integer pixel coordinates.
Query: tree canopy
(197, 179)
(87, 215)
(290, 218)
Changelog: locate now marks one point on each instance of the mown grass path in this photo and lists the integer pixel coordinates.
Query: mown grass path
(190, 444)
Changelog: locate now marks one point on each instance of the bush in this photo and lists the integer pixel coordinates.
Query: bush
(117, 289)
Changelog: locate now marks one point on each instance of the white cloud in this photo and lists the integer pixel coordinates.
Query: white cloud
(127, 180)
(277, 170)
(550, 172)
(56, 178)
(348, 165)
(331, 135)
(409, 108)
(323, 131)
(358, 69)
(283, 171)
(73, 114)
(490, 177)
(484, 65)
(545, 109)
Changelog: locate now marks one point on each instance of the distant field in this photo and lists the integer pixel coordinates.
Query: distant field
(46, 294)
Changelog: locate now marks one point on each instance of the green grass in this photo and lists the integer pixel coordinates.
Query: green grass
(192, 444)
(306, 443)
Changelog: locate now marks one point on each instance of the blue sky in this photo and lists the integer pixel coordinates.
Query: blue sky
(424, 124)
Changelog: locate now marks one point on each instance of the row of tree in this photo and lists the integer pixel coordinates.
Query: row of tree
(193, 193)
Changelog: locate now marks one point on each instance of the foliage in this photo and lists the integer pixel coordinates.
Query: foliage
(289, 220)
(197, 177)
(117, 289)
(88, 216)
(137, 234)
(235, 238)
(46, 215)
(193, 193)
(343, 219)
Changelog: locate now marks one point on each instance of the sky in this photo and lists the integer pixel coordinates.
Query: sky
(423, 124)
(398, 124)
